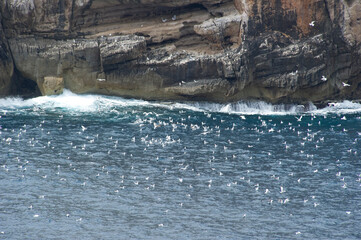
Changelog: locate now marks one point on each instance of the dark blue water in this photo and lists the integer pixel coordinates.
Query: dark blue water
(95, 167)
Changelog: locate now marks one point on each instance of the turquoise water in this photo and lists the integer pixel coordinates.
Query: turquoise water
(97, 167)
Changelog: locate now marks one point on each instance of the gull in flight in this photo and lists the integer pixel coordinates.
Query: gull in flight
(299, 119)
(312, 24)
(346, 84)
(324, 78)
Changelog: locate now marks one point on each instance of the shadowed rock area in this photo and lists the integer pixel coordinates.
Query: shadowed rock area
(6, 65)
(215, 50)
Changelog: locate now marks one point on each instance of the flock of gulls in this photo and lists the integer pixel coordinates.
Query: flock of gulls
(214, 160)
(198, 155)
(189, 156)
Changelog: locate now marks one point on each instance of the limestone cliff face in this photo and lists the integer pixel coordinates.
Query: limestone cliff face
(217, 50)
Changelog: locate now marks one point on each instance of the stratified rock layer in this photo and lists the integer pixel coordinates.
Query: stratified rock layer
(214, 50)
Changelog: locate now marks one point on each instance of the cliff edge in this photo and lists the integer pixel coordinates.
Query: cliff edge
(212, 50)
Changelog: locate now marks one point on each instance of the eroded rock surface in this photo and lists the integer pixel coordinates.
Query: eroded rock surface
(52, 85)
(214, 50)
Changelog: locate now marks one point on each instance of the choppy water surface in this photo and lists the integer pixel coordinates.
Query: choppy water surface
(95, 167)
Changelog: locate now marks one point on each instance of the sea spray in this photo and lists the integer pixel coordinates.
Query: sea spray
(71, 102)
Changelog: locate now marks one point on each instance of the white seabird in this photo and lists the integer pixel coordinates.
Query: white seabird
(312, 24)
(346, 84)
(324, 78)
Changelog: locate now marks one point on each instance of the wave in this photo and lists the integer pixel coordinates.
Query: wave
(344, 107)
(76, 103)
(254, 108)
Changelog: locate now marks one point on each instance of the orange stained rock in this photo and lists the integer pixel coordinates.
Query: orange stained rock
(306, 11)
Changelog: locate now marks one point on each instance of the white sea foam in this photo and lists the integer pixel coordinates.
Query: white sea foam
(14, 103)
(345, 107)
(67, 100)
(100, 103)
(254, 107)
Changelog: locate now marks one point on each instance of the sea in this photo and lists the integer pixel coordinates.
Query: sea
(100, 167)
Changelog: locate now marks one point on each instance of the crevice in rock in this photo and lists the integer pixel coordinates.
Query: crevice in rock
(327, 10)
(142, 34)
(71, 17)
(195, 6)
(24, 87)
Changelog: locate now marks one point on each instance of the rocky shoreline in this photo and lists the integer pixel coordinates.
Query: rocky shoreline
(214, 50)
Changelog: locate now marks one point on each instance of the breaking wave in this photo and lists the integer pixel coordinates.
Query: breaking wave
(89, 103)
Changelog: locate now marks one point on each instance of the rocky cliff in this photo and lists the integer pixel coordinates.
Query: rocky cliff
(214, 50)
(6, 65)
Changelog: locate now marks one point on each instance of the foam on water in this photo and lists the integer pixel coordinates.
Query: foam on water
(345, 107)
(13, 103)
(98, 103)
(254, 107)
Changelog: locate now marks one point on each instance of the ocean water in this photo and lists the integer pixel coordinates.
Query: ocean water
(98, 167)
